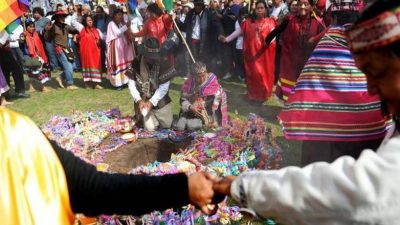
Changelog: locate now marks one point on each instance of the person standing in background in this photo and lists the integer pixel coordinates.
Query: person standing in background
(119, 50)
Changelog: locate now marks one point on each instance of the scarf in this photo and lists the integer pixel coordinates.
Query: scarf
(210, 87)
(34, 46)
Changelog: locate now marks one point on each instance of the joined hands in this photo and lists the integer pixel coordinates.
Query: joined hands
(206, 191)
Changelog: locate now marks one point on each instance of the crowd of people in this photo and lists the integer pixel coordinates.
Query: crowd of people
(336, 70)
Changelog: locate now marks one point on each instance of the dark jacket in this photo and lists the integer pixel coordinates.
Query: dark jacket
(147, 86)
(210, 28)
(59, 33)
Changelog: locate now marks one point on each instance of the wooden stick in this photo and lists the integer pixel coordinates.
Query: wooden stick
(184, 41)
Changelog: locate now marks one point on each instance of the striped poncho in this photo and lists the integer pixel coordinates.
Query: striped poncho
(330, 100)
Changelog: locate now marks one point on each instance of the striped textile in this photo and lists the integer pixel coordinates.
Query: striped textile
(11, 10)
(330, 100)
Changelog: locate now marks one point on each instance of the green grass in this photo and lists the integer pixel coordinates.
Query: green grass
(41, 106)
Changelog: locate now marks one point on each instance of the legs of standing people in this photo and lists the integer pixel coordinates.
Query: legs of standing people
(51, 54)
(227, 59)
(329, 151)
(277, 62)
(103, 54)
(77, 58)
(67, 68)
(239, 64)
(10, 67)
(17, 53)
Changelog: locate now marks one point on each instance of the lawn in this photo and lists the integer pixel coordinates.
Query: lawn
(41, 106)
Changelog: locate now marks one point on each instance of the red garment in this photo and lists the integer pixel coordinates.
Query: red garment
(90, 54)
(298, 42)
(35, 46)
(258, 60)
(157, 28)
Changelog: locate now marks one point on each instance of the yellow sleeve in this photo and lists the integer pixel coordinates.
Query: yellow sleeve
(33, 187)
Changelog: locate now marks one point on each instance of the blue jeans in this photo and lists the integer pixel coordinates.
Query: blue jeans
(67, 68)
(51, 54)
(77, 58)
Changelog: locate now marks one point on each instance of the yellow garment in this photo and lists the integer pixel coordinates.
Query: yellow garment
(33, 187)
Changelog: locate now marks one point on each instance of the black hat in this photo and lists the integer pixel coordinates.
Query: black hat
(198, 2)
(151, 48)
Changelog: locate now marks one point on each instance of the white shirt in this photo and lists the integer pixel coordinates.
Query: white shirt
(236, 34)
(136, 22)
(3, 37)
(239, 40)
(157, 96)
(347, 191)
(196, 27)
(14, 37)
(276, 11)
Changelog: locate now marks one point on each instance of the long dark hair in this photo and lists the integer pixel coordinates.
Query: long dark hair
(84, 17)
(153, 8)
(254, 15)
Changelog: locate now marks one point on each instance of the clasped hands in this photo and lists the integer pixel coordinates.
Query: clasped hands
(206, 191)
(145, 105)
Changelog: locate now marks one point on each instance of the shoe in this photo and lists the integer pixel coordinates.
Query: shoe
(60, 82)
(98, 86)
(21, 95)
(242, 79)
(227, 76)
(72, 87)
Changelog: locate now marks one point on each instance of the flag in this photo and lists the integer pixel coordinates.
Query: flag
(11, 10)
(165, 4)
(13, 25)
(132, 5)
(168, 5)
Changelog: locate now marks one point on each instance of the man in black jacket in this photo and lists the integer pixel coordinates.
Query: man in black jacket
(202, 29)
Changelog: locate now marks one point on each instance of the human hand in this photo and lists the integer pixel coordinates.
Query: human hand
(222, 39)
(223, 186)
(201, 191)
(141, 104)
(149, 105)
(49, 26)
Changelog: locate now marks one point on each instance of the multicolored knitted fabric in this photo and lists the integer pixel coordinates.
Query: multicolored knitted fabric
(330, 100)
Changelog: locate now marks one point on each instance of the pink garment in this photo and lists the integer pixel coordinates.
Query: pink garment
(119, 55)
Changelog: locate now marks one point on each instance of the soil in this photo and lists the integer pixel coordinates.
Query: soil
(140, 152)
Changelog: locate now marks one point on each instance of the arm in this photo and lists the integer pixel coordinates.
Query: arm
(76, 25)
(93, 193)
(134, 92)
(185, 104)
(234, 34)
(49, 32)
(121, 31)
(71, 29)
(347, 190)
(142, 32)
(278, 30)
(161, 91)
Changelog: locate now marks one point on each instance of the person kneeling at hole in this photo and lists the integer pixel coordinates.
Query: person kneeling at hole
(149, 80)
(203, 101)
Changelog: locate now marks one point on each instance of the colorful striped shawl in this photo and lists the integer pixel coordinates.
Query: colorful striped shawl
(209, 88)
(330, 100)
